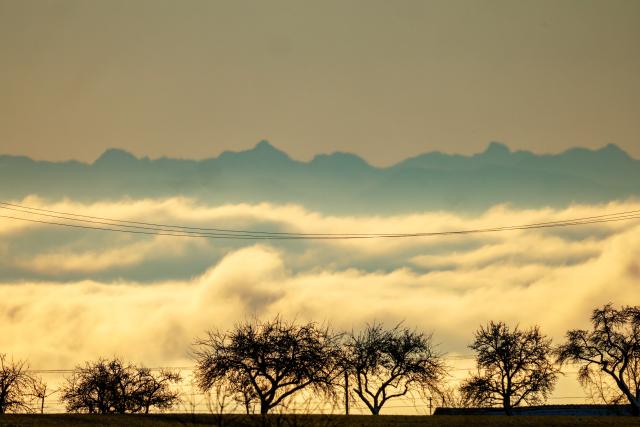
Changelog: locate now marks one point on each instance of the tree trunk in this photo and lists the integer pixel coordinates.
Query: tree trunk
(633, 400)
(506, 403)
(264, 407)
(247, 402)
(375, 410)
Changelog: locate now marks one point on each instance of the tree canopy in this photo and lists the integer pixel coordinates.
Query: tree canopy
(387, 363)
(16, 386)
(514, 366)
(111, 386)
(276, 359)
(611, 347)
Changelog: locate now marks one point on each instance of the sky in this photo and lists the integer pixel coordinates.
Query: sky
(385, 80)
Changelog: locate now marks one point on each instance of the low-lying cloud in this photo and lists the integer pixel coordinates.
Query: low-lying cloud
(78, 295)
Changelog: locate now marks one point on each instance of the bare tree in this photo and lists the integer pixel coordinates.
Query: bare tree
(96, 387)
(270, 360)
(600, 389)
(514, 367)
(451, 397)
(40, 391)
(15, 386)
(217, 401)
(389, 363)
(245, 394)
(155, 390)
(110, 386)
(611, 347)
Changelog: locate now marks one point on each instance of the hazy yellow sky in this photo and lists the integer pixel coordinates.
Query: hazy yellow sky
(383, 79)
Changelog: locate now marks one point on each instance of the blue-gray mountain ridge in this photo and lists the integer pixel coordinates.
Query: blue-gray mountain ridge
(338, 182)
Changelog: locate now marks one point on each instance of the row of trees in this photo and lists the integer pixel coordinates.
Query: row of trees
(269, 363)
(103, 386)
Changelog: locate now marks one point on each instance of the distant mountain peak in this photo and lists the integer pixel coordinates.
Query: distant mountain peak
(497, 149)
(339, 159)
(264, 145)
(610, 152)
(263, 150)
(613, 149)
(115, 155)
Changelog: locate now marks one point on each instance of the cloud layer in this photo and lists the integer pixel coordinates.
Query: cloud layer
(69, 296)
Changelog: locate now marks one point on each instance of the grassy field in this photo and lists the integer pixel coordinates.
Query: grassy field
(308, 420)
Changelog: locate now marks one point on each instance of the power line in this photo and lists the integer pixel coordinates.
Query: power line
(125, 226)
(148, 226)
(178, 228)
(182, 227)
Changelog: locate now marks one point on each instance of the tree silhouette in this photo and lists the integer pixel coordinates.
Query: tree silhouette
(154, 390)
(15, 386)
(110, 386)
(611, 347)
(40, 391)
(387, 363)
(269, 361)
(514, 367)
(244, 394)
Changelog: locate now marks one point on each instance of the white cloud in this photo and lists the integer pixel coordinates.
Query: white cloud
(156, 322)
(94, 251)
(64, 260)
(525, 249)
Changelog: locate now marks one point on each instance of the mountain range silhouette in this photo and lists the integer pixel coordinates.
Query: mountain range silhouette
(339, 182)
